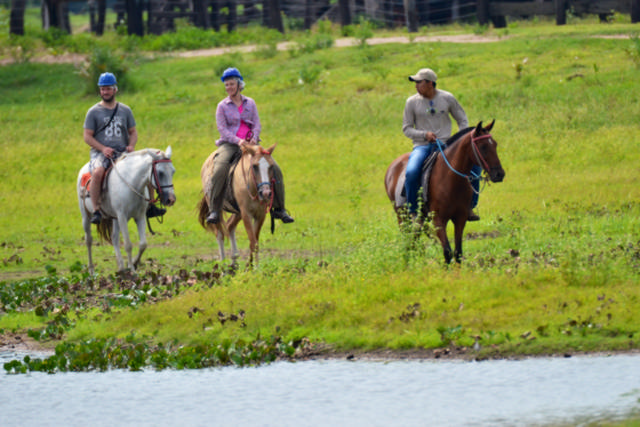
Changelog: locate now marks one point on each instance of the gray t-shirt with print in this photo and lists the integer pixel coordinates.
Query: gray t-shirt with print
(116, 134)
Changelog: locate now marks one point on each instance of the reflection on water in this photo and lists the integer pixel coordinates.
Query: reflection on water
(333, 393)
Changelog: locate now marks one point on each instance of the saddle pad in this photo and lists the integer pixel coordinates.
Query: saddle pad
(85, 180)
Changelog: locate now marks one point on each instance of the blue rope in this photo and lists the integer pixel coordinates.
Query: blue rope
(469, 177)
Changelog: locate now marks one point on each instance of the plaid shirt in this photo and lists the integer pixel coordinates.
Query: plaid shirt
(228, 119)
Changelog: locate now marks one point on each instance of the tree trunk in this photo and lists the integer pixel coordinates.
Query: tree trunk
(561, 12)
(482, 11)
(411, 15)
(16, 21)
(275, 19)
(309, 14)
(202, 17)
(345, 13)
(55, 14)
(635, 11)
(134, 18)
(97, 12)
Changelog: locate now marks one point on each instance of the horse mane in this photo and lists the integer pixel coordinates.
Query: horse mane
(153, 152)
(452, 140)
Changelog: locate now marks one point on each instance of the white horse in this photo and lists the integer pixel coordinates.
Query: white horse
(126, 196)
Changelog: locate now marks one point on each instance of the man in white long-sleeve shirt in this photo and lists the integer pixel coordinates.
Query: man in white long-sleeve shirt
(426, 119)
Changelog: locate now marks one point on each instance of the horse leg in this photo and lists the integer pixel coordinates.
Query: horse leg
(142, 236)
(115, 241)
(86, 225)
(441, 228)
(220, 240)
(459, 228)
(128, 247)
(257, 227)
(232, 224)
(253, 242)
(88, 239)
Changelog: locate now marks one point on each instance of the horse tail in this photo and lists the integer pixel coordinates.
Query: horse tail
(105, 229)
(203, 213)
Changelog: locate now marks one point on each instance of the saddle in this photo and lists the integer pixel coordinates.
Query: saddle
(85, 181)
(427, 166)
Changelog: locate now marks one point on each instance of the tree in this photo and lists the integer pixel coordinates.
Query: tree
(16, 21)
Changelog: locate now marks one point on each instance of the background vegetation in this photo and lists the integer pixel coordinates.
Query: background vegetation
(553, 265)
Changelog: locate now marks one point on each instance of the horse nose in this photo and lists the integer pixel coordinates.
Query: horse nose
(171, 200)
(498, 175)
(266, 192)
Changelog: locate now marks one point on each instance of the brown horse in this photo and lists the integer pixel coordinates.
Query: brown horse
(248, 198)
(449, 187)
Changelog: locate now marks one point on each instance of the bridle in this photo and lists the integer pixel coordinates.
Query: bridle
(154, 173)
(476, 152)
(481, 161)
(259, 185)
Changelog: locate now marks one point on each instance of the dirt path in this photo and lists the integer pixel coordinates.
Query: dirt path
(342, 42)
(346, 42)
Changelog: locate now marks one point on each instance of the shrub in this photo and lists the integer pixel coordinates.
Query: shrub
(102, 60)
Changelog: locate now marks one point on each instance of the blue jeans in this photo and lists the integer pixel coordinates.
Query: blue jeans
(417, 157)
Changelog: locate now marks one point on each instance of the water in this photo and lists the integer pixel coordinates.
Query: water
(530, 392)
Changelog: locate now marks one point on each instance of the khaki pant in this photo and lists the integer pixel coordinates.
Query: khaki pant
(219, 177)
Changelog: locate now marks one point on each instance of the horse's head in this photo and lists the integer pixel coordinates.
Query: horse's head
(485, 152)
(261, 164)
(162, 179)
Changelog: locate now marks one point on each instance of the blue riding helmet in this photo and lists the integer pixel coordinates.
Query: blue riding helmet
(107, 79)
(231, 72)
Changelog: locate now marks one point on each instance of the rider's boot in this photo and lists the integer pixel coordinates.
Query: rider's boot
(213, 218)
(153, 211)
(473, 216)
(96, 218)
(282, 215)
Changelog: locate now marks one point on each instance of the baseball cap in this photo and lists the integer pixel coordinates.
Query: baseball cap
(424, 74)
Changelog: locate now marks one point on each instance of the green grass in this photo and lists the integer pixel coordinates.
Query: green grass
(552, 266)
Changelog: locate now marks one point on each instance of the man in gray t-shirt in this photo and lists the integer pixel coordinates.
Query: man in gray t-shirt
(110, 130)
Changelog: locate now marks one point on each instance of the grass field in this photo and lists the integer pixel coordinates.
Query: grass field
(553, 265)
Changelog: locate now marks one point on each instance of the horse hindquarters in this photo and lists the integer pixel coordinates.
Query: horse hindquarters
(392, 179)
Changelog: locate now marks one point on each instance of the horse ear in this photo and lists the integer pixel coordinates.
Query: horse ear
(273, 147)
(248, 148)
(168, 152)
(479, 126)
(488, 128)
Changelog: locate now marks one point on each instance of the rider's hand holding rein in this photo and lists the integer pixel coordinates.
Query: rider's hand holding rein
(430, 136)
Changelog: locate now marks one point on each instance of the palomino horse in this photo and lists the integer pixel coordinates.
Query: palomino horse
(449, 188)
(248, 198)
(126, 196)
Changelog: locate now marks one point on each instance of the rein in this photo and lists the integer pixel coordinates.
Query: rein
(154, 173)
(476, 152)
